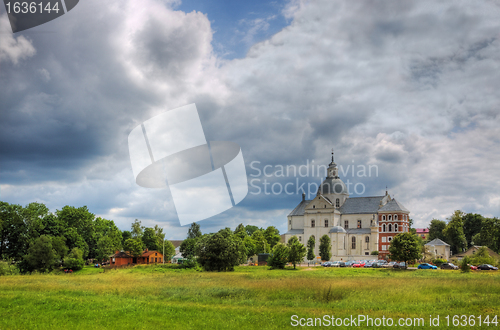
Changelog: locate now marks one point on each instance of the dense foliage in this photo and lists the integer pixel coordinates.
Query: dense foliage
(405, 247)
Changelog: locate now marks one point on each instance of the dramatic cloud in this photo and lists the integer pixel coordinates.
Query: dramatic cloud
(408, 87)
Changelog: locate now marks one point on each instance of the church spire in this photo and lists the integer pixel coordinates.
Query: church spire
(332, 155)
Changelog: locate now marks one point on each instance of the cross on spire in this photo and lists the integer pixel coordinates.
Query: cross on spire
(332, 155)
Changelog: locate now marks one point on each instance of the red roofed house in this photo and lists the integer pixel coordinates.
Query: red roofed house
(422, 232)
(121, 258)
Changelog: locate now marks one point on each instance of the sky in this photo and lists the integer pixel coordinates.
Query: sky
(406, 93)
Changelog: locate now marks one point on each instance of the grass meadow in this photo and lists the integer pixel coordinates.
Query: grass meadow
(161, 297)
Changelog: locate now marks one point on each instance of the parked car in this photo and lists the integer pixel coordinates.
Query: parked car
(380, 264)
(349, 263)
(448, 265)
(359, 264)
(472, 267)
(337, 264)
(426, 266)
(326, 264)
(487, 267)
(399, 265)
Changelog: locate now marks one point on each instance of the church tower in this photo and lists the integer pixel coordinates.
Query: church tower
(333, 187)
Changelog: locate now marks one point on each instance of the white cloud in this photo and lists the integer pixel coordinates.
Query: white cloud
(13, 49)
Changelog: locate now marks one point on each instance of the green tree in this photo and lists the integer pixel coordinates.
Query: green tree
(59, 246)
(296, 251)
(194, 231)
(41, 256)
(311, 243)
(150, 239)
(261, 244)
(108, 237)
(240, 231)
(82, 220)
(272, 236)
(405, 247)
(169, 250)
(74, 260)
(325, 248)
(482, 256)
(125, 236)
(73, 240)
(220, 251)
(251, 229)
(279, 256)
(489, 235)
(134, 247)
(465, 264)
(137, 230)
(188, 248)
(472, 226)
(13, 239)
(250, 246)
(436, 229)
(454, 233)
(105, 248)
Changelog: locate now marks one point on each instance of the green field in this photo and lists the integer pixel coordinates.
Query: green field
(157, 297)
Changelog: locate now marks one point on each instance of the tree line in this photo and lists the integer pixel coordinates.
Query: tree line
(466, 230)
(36, 239)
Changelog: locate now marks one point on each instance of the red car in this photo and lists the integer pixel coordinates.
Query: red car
(472, 267)
(359, 264)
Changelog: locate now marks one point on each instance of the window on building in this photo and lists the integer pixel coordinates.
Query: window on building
(353, 243)
(396, 217)
(384, 239)
(314, 206)
(313, 223)
(396, 227)
(337, 202)
(326, 222)
(359, 223)
(390, 228)
(384, 247)
(300, 238)
(367, 253)
(383, 217)
(390, 218)
(383, 228)
(325, 206)
(367, 241)
(290, 222)
(346, 224)
(389, 239)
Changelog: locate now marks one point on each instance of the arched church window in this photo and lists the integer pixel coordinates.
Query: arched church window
(383, 228)
(326, 222)
(383, 217)
(390, 227)
(337, 202)
(325, 206)
(396, 227)
(313, 223)
(396, 217)
(367, 241)
(390, 217)
(314, 206)
(353, 243)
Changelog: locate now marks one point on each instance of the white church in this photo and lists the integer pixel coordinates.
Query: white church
(356, 226)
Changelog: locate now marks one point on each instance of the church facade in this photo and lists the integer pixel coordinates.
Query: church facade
(356, 226)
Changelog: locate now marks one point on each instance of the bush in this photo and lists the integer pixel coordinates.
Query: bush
(279, 257)
(464, 265)
(74, 260)
(374, 253)
(438, 262)
(189, 263)
(7, 268)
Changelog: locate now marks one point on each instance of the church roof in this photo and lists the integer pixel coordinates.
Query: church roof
(299, 210)
(337, 229)
(437, 241)
(393, 205)
(359, 231)
(295, 232)
(356, 205)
